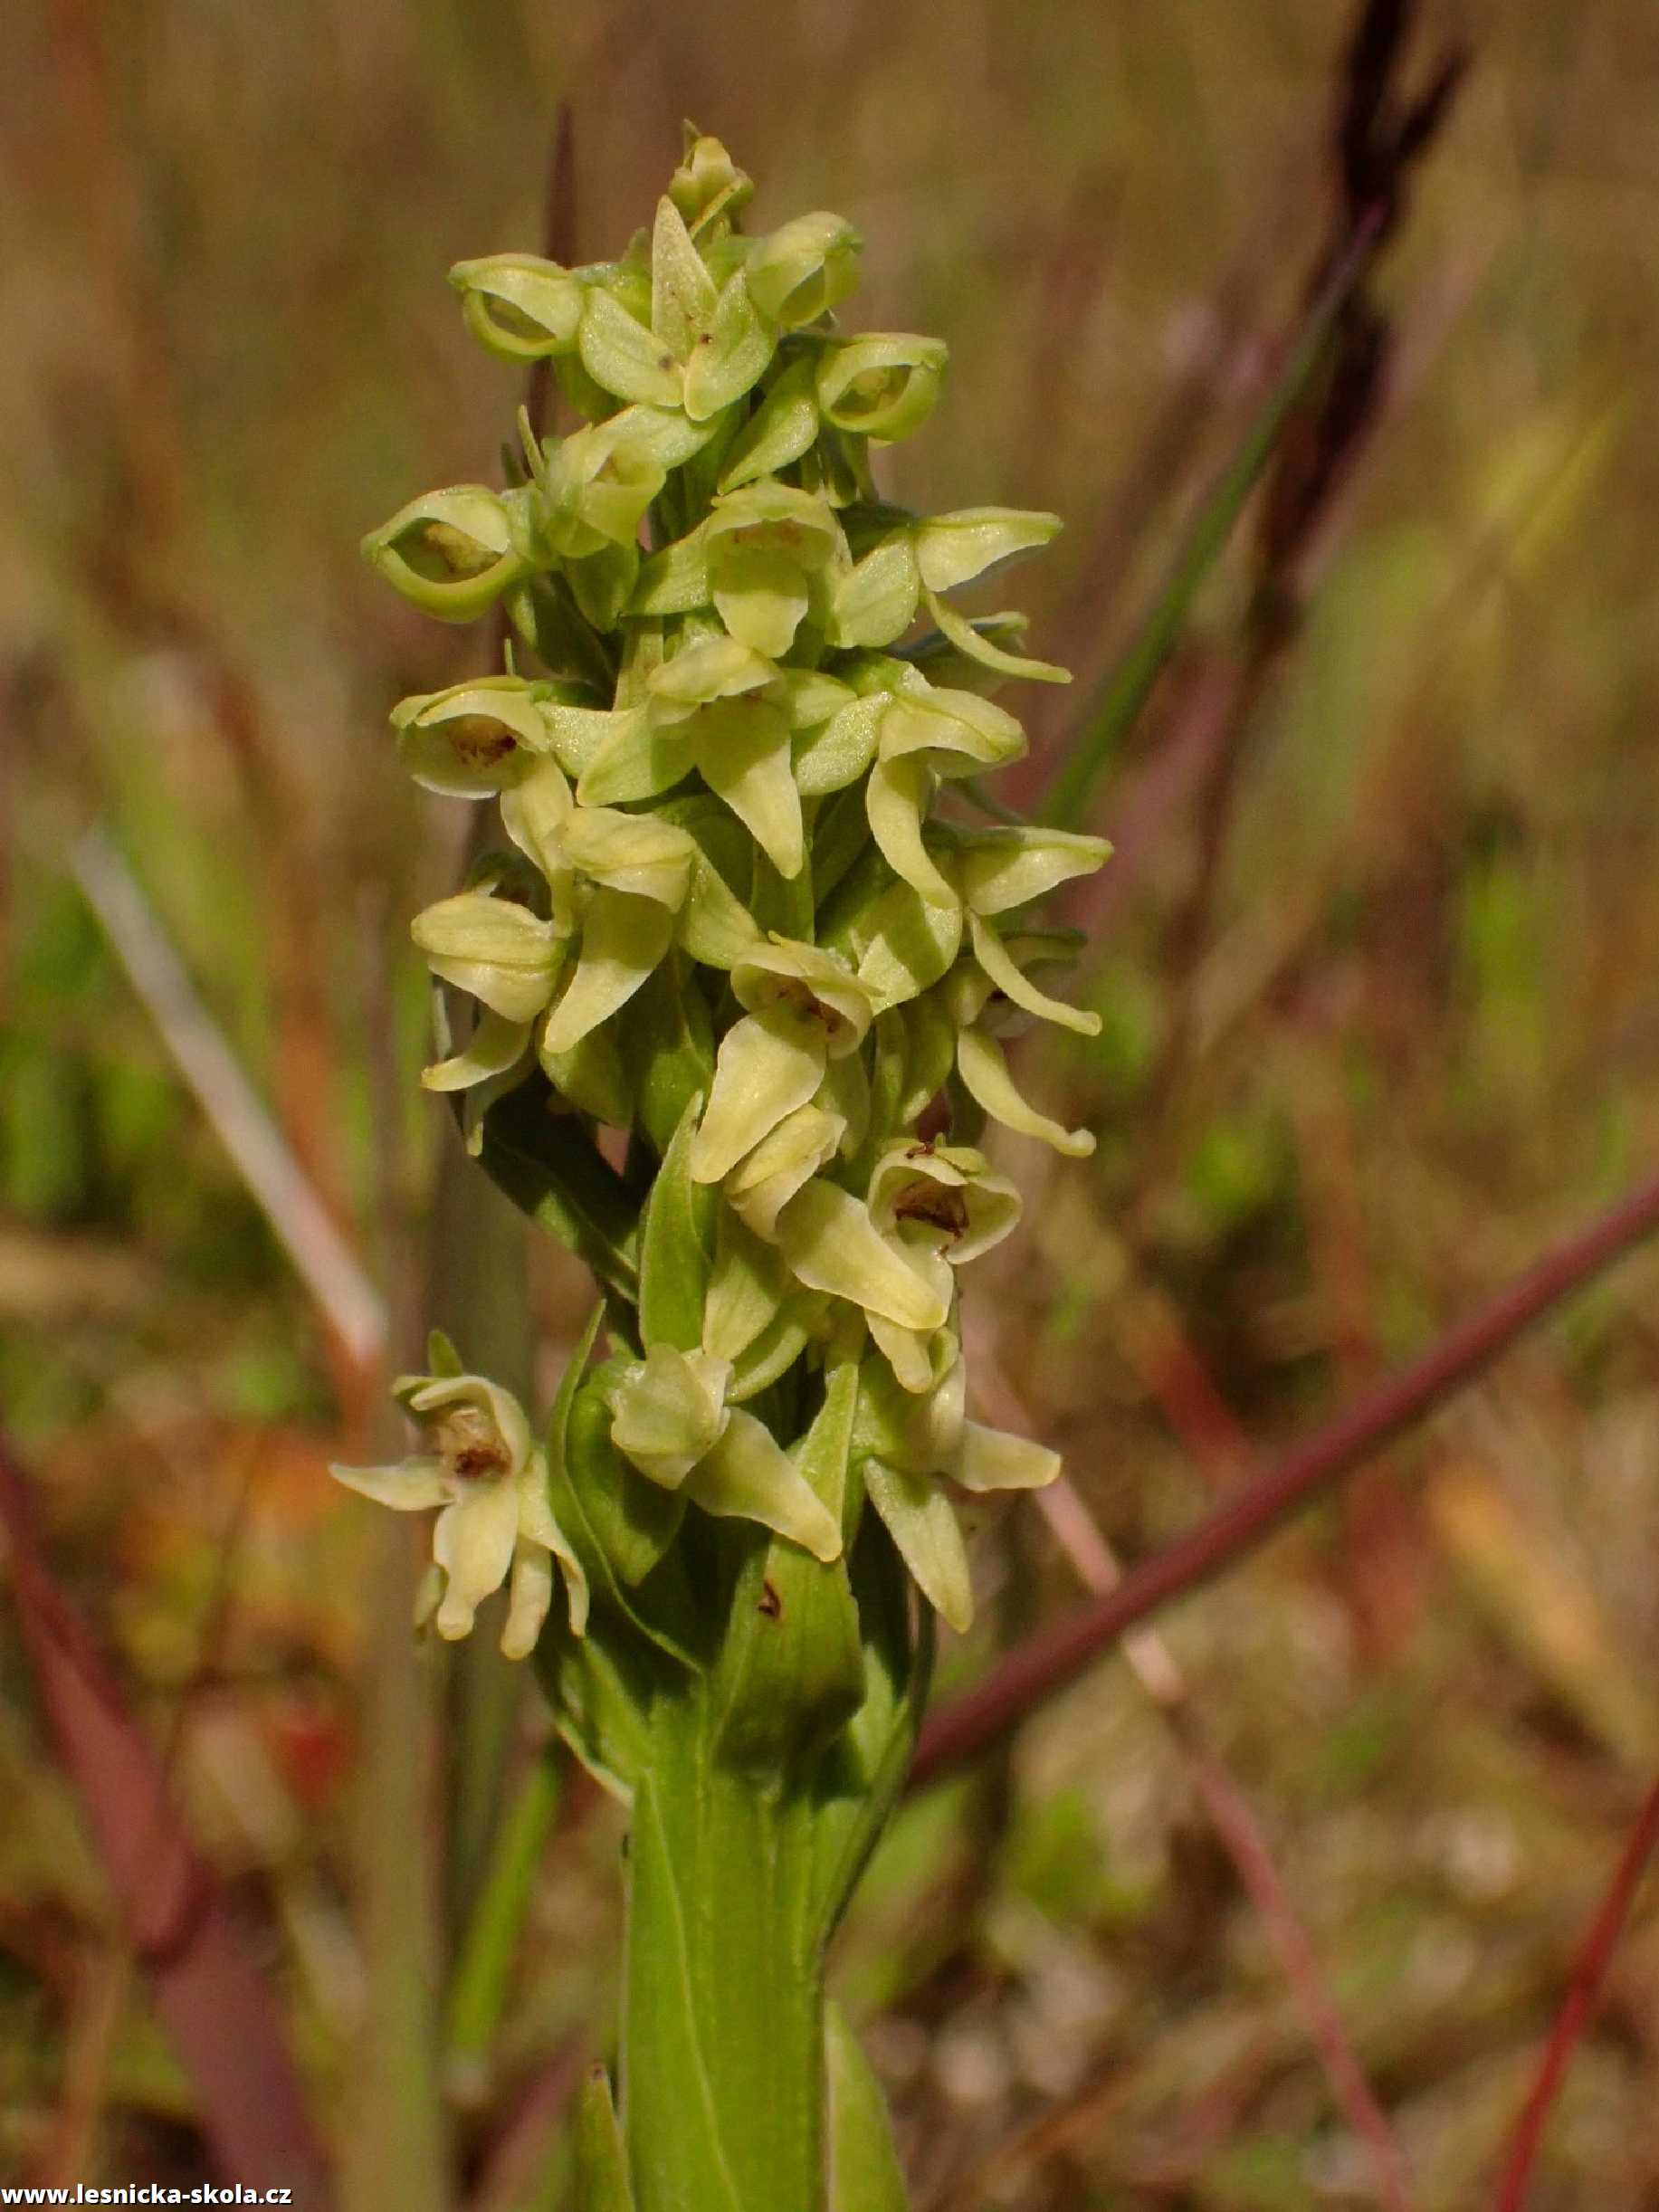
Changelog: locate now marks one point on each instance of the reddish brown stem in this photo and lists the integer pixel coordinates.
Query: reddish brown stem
(1047, 1661)
(1595, 1956)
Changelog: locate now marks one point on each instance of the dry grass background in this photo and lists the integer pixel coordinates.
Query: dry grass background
(1371, 1040)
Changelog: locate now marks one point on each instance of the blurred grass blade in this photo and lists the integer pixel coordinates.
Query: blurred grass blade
(479, 1987)
(221, 2013)
(325, 1263)
(1066, 800)
(397, 2149)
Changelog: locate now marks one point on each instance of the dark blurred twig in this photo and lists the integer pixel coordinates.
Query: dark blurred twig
(1377, 137)
(216, 2003)
(1045, 1663)
(1590, 1970)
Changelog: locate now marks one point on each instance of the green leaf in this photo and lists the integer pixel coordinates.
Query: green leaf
(676, 1245)
(600, 2161)
(668, 1047)
(792, 1669)
(865, 2175)
(922, 1523)
(1132, 683)
(563, 1184)
(628, 1521)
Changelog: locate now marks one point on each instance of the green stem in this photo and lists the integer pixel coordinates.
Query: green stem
(724, 2027)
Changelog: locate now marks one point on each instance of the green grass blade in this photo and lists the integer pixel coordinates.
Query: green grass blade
(1066, 800)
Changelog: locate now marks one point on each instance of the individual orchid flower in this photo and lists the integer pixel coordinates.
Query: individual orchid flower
(725, 711)
(504, 956)
(474, 738)
(671, 1419)
(453, 553)
(946, 1207)
(908, 1442)
(520, 306)
(927, 733)
(983, 1013)
(802, 1007)
(803, 269)
(765, 544)
(878, 597)
(880, 386)
(495, 1524)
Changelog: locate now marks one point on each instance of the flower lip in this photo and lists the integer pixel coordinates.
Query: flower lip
(809, 983)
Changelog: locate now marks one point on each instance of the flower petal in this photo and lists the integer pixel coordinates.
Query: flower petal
(984, 1069)
(986, 651)
(896, 800)
(412, 1486)
(832, 1244)
(954, 548)
(876, 601)
(994, 1459)
(730, 355)
(1004, 868)
(749, 1475)
(1012, 980)
(494, 1046)
(501, 953)
(473, 1541)
(623, 357)
(743, 752)
(624, 936)
(786, 1157)
(923, 1525)
(767, 1066)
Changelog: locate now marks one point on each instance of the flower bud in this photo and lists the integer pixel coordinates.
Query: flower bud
(708, 188)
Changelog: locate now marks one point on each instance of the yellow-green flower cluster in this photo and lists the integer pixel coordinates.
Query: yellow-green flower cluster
(722, 782)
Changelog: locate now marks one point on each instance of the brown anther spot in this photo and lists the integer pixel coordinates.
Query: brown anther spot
(476, 1460)
(665, 360)
(924, 1150)
(481, 742)
(935, 1203)
(771, 1605)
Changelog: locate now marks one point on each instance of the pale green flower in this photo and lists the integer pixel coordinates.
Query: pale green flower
(519, 306)
(672, 1420)
(451, 553)
(472, 739)
(804, 267)
(764, 545)
(909, 1441)
(877, 599)
(490, 1483)
(927, 733)
(496, 950)
(718, 708)
(803, 1008)
(881, 385)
